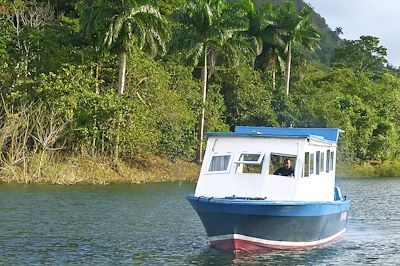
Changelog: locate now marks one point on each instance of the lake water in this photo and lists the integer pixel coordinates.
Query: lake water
(153, 224)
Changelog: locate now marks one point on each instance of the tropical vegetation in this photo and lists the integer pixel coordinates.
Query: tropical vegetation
(119, 85)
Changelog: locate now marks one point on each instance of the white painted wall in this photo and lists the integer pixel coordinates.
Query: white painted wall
(318, 187)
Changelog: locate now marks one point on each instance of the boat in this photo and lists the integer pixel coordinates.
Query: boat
(246, 204)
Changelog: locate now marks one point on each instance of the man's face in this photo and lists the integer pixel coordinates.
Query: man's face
(287, 164)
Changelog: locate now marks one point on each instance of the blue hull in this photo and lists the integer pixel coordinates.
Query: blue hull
(251, 224)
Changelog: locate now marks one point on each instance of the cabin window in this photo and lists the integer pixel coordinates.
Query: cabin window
(219, 163)
(278, 161)
(312, 163)
(322, 162)
(328, 160)
(306, 164)
(250, 163)
(317, 161)
(332, 161)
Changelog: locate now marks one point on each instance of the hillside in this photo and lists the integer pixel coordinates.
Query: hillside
(329, 39)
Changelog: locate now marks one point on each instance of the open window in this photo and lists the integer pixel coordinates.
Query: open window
(219, 163)
(250, 163)
(279, 164)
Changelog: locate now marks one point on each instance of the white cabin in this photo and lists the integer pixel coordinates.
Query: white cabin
(242, 164)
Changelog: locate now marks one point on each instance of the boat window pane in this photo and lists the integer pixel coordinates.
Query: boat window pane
(322, 163)
(332, 160)
(250, 158)
(219, 163)
(328, 160)
(277, 164)
(317, 161)
(306, 164)
(311, 163)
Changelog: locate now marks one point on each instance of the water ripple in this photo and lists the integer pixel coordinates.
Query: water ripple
(154, 225)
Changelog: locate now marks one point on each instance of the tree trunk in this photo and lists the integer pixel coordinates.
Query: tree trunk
(121, 87)
(203, 106)
(97, 87)
(272, 65)
(288, 64)
(117, 138)
(97, 74)
(274, 76)
(121, 71)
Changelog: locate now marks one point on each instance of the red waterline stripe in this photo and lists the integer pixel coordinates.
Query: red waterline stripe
(241, 242)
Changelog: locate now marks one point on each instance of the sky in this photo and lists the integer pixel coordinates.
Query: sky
(379, 18)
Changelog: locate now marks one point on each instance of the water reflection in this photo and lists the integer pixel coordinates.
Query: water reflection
(315, 256)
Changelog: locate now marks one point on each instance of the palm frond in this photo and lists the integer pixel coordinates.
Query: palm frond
(195, 53)
(211, 23)
(146, 9)
(208, 14)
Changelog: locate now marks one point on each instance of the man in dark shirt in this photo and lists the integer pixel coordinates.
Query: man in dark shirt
(286, 170)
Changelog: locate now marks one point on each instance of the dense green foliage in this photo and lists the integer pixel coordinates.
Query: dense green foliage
(59, 65)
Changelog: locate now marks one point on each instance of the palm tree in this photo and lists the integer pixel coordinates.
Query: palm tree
(208, 27)
(267, 45)
(125, 23)
(293, 28)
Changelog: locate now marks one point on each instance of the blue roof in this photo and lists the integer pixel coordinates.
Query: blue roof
(326, 134)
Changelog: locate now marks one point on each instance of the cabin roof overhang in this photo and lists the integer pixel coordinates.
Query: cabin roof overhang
(243, 135)
(324, 135)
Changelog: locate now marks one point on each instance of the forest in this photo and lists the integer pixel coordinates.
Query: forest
(111, 85)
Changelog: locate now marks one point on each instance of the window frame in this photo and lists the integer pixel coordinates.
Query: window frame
(307, 163)
(322, 162)
(220, 171)
(328, 160)
(260, 162)
(312, 163)
(332, 161)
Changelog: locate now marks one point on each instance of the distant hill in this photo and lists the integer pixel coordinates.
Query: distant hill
(329, 39)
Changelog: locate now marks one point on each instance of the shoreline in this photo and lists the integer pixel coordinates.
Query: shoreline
(102, 171)
(149, 169)
(366, 170)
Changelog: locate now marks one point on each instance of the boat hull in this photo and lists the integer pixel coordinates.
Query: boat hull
(249, 224)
